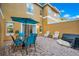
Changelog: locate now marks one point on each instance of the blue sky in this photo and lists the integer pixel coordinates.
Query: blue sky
(68, 9)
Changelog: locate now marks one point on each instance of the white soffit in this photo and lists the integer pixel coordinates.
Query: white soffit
(54, 19)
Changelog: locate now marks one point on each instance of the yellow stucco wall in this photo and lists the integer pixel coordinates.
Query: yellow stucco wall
(45, 20)
(18, 10)
(1, 32)
(71, 27)
(44, 24)
(64, 27)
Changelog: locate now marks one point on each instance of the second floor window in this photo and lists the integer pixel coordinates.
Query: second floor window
(41, 12)
(30, 8)
(50, 12)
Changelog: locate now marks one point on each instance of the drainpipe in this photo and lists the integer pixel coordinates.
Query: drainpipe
(42, 18)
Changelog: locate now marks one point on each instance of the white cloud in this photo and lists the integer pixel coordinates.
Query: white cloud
(66, 15)
(77, 16)
(62, 11)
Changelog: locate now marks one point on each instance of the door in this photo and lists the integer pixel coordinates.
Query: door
(31, 29)
(28, 29)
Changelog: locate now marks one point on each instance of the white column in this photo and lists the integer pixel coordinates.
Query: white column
(21, 29)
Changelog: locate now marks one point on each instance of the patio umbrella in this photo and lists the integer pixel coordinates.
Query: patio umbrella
(24, 20)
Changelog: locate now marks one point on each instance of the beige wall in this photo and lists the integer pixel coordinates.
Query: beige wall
(45, 20)
(18, 10)
(2, 28)
(65, 27)
(47, 8)
(0, 31)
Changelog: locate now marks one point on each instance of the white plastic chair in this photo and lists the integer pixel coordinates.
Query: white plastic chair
(56, 35)
(46, 34)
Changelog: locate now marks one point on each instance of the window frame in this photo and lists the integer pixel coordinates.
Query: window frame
(7, 24)
(27, 10)
(50, 11)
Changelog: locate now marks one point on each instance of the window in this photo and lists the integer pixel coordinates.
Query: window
(41, 12)
(41, 29)
(50, 12)
(30, 7)
(9, 28)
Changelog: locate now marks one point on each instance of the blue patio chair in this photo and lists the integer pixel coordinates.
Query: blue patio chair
(17, 42)
(30, 40)
(21, 34)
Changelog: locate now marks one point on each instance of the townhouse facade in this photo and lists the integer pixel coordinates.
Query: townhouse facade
(43, 13)
(51, 16)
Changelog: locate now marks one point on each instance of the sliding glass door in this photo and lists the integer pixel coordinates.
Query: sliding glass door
(28, 29)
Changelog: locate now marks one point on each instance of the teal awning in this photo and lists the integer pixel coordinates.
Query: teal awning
(24, 20)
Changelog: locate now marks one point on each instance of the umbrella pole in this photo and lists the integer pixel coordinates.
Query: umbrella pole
(25, 26)
(25, 31)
